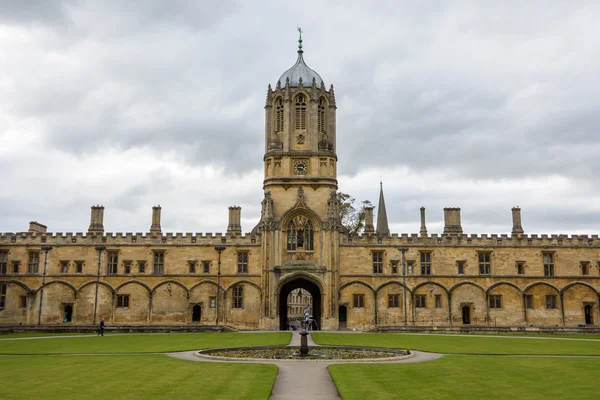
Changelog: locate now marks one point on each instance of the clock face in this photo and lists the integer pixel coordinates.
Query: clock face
(301, 167)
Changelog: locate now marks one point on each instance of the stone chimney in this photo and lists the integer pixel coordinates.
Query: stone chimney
(452, 221)
(35, 226)
(516, 217)
(155, 227)
(97, 220)
(369, 228)
(235, 217)
(423, 231)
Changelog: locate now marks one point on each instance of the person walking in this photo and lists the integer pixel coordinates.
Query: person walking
(101, 331)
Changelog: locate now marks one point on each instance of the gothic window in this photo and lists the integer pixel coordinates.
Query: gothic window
(548, 264)
(425, 263)
(242, 262)
(300, 234)
(420, 301)
(3, 262)
(485, 265)
(2, 295)
(495, 301)
(113, 261)
(378, 262)
(279, 115)
(393, 300)
(238, 297)
(34, 262)
(550, 301)
(123, 301)
(300, 117)
(159, 262)
(358, 300)
(321, 116)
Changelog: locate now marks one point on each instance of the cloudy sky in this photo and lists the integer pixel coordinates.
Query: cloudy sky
(478, 105)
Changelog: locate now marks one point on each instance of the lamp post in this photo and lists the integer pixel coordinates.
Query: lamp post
(46, 250)
(219, 249)
(403, 250)
(100, 249)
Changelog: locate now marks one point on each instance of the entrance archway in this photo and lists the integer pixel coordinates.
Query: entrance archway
(343, 317)
(466, 315)
(589, 316)
(68, 313)
(196, 313)
(299, 283)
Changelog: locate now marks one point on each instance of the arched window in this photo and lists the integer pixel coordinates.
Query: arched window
(300, 112)
(321, 115)
(300, 234)
(279, 115)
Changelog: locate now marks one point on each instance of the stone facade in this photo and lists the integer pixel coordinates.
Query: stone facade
(244, 280)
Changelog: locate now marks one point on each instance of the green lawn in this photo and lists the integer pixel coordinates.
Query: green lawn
(456, 377)
(131, 377)
(141, 343)
(460, 344)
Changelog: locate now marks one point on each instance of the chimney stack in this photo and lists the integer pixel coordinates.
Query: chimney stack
(35, 226)
(516, 217)
(423, 231)
(235, 217)
(369, 228)
(97, 220)
(452, 224)
(155, 227)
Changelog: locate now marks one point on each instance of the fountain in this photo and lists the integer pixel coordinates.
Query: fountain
(304, 353)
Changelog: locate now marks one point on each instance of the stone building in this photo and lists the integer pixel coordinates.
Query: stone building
(297, 300)
(375, 278)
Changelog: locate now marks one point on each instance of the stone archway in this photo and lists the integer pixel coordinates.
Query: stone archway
(299, 283)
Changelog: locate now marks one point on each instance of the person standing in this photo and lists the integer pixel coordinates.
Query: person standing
(101, 330)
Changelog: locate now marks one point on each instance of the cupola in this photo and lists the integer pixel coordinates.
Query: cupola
(300, 71)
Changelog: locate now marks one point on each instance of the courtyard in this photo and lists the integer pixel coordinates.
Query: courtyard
(137, 366)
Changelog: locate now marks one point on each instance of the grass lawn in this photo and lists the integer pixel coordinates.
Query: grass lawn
(460, 344)
(456, 377)
(141, 343)
(131, 377)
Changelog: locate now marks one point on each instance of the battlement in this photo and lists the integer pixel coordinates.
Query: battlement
(477, 240)
(125, 238)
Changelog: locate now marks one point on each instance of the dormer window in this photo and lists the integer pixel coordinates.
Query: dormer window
(279, 115)
(321, 116)
(300, 115)
(300, 234)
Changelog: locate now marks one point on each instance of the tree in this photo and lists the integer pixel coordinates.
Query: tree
(352, 216)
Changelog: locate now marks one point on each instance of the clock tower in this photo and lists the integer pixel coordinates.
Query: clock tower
(300, 211)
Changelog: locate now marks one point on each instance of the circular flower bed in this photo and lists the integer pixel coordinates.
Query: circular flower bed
(314, 353)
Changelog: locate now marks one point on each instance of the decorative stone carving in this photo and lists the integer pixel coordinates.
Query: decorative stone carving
(300, 138)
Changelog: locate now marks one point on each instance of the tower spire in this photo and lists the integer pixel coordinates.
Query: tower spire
(382, 221)
(300, 40)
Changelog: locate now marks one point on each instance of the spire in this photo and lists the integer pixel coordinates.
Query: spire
(300, 40)
(382, 222)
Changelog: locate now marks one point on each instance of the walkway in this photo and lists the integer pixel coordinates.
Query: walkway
(309, 379)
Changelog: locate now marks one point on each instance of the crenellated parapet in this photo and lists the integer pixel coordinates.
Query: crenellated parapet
(127, 238)
(475, 240)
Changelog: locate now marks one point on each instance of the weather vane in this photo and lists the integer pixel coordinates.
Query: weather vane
(300, 40)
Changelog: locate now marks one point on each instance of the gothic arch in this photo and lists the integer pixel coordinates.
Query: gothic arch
(300, 209)
(453, 288)
(134, 281)
(392, 283)
(73, 288)
(431, 283)
(503, 283)
(540, 283)
(300, 275)
(205, 281)
(345, 285)
(112, 291)
(21, 284)
(244, 281)
(171, 281)
(564, 289)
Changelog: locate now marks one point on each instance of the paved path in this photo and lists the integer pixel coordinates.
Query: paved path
(297, 379)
